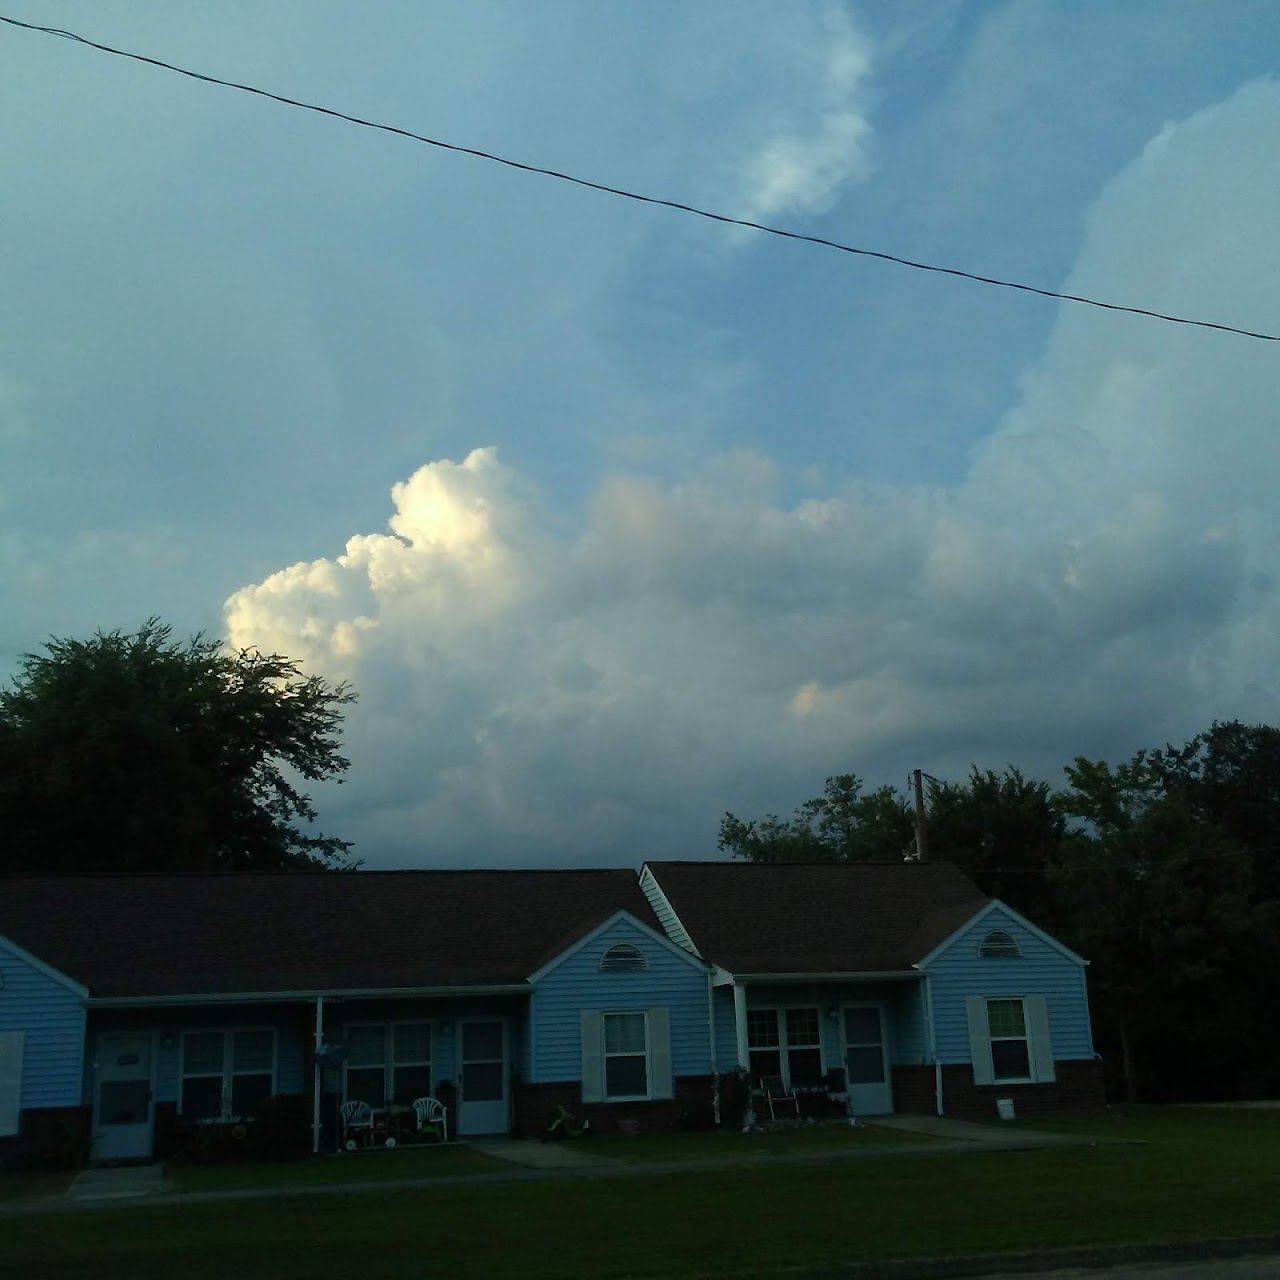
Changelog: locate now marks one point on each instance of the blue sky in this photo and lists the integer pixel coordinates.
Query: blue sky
(744, 512)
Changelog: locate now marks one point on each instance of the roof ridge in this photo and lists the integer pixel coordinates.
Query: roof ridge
(303, 873)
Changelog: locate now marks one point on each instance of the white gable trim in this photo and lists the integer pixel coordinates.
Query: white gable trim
(47, 969)
(978, 916)
(622, 914)
(659, 901)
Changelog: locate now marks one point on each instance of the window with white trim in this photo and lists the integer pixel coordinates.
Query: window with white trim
(764, 1051)
(626, 1055)
(786, 1043)
(999, 944)
(227, 1075)
(623, 958)
(387, 1062)
(804, 1047)
(1010, 1044)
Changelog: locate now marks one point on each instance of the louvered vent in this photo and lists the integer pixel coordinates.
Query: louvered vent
(998, 945)
(624, 958)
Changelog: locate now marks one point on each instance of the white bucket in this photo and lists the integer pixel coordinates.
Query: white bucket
(1004, 1109)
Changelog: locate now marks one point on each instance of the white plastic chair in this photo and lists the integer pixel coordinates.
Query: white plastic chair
(431, 1113)
(357, 1119)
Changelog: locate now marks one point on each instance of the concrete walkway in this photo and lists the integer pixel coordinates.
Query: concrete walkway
(128, 1182)
(539, 1155)
(997, 1137)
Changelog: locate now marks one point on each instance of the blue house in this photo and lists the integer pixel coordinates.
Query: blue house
(138, 1011)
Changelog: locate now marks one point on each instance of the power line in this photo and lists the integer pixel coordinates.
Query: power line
(677, 205)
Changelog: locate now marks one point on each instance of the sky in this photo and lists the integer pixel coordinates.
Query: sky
(617, 519)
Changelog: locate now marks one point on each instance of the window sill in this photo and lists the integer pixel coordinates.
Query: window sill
(1000, 1084)
(628, 1097)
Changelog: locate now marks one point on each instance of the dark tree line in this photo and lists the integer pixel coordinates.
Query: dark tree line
(1163, 870)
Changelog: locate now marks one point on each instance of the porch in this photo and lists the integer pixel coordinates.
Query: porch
(822, 1045)
(267, 1077)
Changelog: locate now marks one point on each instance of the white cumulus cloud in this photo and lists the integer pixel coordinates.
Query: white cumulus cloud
(600, 688)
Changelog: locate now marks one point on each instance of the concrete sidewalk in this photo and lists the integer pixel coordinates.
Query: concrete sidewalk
(529, 1154)
(127, 1182)
(995, 1137)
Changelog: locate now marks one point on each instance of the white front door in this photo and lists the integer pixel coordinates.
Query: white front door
(123, 1102)
(482, 1076)
(866, 1060)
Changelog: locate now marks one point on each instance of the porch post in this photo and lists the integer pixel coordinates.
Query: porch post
(744, 1054)
(315, 1091)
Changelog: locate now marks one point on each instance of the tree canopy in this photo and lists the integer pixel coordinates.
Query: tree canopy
(841, 825)
(136, 752)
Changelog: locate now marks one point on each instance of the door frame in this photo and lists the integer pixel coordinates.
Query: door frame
(881, 1007)
(152, 1039)
(506, 1065)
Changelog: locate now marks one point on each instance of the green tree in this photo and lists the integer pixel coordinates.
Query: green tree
(1159, 897)
(1004, 830)
(841, 825)
(1230, 774)
(139, 753)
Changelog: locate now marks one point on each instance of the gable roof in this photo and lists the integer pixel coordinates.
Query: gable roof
(755, 918)
(624, 916)
(158, 935)
(963, 924)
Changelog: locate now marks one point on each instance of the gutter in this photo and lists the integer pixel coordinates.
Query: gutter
(933, 1043)
(328, 993)
(868, 975)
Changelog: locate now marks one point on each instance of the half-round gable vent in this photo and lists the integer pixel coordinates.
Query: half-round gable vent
(624, 958)
(999, 945)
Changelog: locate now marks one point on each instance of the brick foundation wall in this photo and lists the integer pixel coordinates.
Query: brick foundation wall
(1079, 1087)
(48, 1137)
(691, 1108)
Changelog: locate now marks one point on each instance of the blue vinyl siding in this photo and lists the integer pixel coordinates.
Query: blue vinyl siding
(670, 981)
(1042, 970)
(53, 1018)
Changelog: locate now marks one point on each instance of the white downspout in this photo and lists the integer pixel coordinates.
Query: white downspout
(315, 1100)
(933, 1044)
(715, 1066)
(744, 1053)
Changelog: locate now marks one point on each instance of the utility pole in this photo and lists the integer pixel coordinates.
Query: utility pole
(917, 784)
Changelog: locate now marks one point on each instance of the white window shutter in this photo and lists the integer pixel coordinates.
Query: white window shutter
(1038, 1033)
(11, 1045)
(661, 1086)
(979, 1040)
(592, 1056)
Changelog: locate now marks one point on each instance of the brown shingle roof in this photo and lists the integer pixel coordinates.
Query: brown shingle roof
(134, 935)
(817, 917)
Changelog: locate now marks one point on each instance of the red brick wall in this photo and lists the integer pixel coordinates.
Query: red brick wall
(1079, 1087)
(50, 1137)
(536, 1105)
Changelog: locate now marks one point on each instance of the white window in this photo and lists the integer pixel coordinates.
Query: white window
(624, 958)
(999, 945)
(1010, 1045)
(626, 1055)
(387, 1062)
(11, 1046)
(786, 1043)
(227, 1075)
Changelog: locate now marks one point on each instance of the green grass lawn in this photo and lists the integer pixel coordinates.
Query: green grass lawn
(15, 1187)
(1200, 1175)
